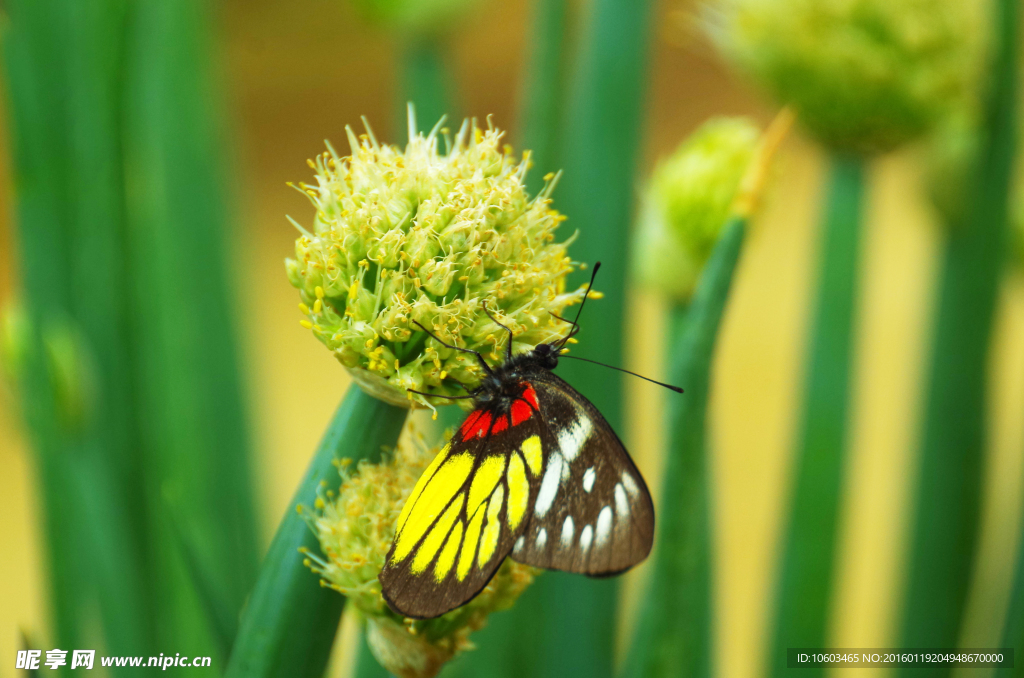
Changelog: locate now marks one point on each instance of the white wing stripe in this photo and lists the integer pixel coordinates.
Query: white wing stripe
(588, 479)
(572, 438)
(585, 536)
(567, 532)
(549, 485)
(604, 526)
(621, 501)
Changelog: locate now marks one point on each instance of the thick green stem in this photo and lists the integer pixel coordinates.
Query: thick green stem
(673, 632)
(63, 66)
(804, 598)
(946, 515)
(425, 84)
(290, 621)
(572, 618)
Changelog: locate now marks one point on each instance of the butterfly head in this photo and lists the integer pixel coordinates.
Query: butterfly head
(546, 355)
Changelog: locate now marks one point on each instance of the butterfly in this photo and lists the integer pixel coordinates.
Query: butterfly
(534, 472)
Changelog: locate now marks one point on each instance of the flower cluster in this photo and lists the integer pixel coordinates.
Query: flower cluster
(356, 526)
(863, 75)
(688, 201)
(441, 239)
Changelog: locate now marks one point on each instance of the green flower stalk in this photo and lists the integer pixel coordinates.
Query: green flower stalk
(863, 75)
(419, 236)
(687, 203)
(673, 635)
(356, 526)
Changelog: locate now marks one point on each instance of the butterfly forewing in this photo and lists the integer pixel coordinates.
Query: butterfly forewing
(465, 513)
(593, 513)
(547, 482)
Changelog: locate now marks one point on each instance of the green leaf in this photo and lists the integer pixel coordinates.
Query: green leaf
(945, 520)
(673, 632)
(290, 620)
(804, 595)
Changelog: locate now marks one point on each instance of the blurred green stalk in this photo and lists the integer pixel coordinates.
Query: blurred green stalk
(188, 387)
(426, 83)
(803, 600)
(1013, 627)
(541, 116)
(290, 620)
(946, 515)
(510, 644)
(674, 626)
(575, 617)
(130, 378)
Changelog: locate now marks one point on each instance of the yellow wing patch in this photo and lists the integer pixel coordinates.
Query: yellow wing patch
(428, 499)
(450, 538)
(489, 538)
(420, 484)
(532, 452)
(447, 557)
(428, 549)
(484, 480)
(518, 491)
(469, 545)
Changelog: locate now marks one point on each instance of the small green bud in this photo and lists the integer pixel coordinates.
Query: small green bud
(412, 236)
(863, 75)
(688, 202)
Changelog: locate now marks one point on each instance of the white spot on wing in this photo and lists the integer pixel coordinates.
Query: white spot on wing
(519, 544)
(588, 479)
(567, 531)
(542, 539)
(549, 485)
(572, 438)
(585, 536)
(621, 501)
(604, 526)
(630, 484)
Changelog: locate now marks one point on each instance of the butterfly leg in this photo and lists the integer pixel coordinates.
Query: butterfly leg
(480, 358)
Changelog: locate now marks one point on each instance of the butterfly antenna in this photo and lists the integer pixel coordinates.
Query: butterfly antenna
(659, 383)
(576, 322)
(508, 347)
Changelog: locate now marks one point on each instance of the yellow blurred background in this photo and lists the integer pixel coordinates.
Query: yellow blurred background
(295, 73)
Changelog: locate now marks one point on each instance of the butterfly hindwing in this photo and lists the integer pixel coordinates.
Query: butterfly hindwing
(593, 513)
(466, 512)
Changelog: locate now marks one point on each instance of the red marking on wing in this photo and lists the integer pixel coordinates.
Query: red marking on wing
(500, 424)
(520, 412)
(531, 396)
(476, 425)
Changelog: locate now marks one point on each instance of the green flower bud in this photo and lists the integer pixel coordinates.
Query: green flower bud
(419, 236)
(688, 202)
(355, 528)
(863, 75)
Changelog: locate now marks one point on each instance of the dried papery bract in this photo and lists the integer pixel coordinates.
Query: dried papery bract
(356, 527)
(433, 234)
